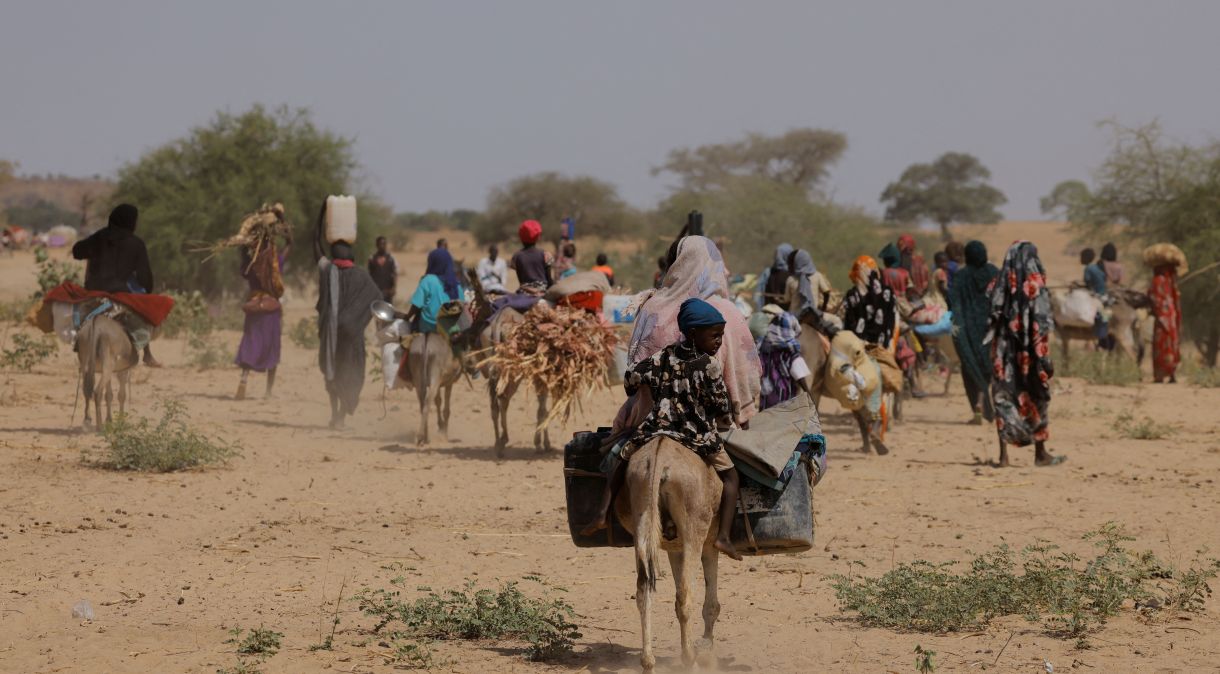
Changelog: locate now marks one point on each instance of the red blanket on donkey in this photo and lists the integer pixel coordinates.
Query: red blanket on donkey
(152, 308)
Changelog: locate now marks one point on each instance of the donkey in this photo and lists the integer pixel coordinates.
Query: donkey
(1124, 324)
(104, 351)
(434, 371)
(814, 351)
(665, 476)
(493, 334)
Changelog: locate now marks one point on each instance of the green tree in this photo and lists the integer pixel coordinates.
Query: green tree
(1066, 200)
(1160, 191)
(953, 188)
(801, 158)
(550, 197)
(40, 215)
(197, 189)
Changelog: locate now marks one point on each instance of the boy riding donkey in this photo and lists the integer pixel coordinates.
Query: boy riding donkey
(690, 403)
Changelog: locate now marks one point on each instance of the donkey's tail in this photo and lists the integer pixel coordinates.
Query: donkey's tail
(89, 358)
(648, 526)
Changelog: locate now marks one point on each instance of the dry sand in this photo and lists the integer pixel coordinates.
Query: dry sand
(170, 562)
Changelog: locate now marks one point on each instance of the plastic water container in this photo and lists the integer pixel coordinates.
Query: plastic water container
(779, 521)
(340, 219)
(584, 483)
(614, 307)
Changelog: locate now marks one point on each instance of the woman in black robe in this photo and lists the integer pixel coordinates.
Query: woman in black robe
(345, 294)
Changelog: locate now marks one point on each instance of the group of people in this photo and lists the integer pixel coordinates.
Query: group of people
(688, 327)
(1104, 274)
(1000, 317)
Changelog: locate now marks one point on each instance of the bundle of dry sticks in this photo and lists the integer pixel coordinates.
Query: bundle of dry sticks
(564, 351)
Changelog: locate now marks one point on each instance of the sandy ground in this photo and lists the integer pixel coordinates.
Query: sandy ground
(170, 562)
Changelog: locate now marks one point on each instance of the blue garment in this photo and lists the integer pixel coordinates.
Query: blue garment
(1095, 279)
(695, 313)
(440, 264)
(428, 298)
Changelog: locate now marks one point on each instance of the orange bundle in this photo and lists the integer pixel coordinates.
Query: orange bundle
(564, 351)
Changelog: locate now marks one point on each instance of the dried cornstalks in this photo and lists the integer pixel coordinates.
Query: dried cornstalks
(564, 351)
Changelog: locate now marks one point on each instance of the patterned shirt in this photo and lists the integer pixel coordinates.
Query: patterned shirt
(688, 394)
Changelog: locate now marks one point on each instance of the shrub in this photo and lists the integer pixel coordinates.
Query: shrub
(25, 352)
(53, 272)
(14, 311)
(1145, 429)
(190, 315)
(259, 641)
(1205, 377)
(1070, 599)
(305, 333)
(470, 613)
(207, 352)
(253, 649)
(1103, 369)
(169, 445)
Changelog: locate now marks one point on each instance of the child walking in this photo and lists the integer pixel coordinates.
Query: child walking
(690, 403)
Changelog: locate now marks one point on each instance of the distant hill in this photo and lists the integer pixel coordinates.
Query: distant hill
(65, 193)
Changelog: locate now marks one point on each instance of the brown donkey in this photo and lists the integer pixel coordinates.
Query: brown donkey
(493, 334)
(104, 352)
(665, 477)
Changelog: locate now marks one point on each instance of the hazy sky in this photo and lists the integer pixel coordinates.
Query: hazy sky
(446, 99)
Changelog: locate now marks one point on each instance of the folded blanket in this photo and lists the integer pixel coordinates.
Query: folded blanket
(152, 308)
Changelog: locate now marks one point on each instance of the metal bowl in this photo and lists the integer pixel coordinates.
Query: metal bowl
(384, 311)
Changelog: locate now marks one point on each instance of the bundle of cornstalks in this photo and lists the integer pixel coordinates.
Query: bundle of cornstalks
(564, 351)
(257, 230)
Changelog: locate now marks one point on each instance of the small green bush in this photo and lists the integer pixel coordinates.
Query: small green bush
(1204, 377)
(1101, 368)
(53, 272)
(305, 333)
(1144, 429)
(14, 311)
(207, 352)
(24, 352)
(189, 317)
(169, 445)
(470, 613)
(259, 641)
(1069, 598)
(252, 649)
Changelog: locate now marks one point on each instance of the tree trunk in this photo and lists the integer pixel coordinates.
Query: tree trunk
(944, 232)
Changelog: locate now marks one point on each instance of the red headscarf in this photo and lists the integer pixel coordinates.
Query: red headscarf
(906, 243)
(530, 232)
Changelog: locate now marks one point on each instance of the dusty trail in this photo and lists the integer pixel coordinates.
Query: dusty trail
(171, 561)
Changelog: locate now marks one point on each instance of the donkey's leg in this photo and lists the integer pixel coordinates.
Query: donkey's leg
(438, 400)
(681, 563)
(643, 601)
(711, 603)
(448, 391)
(421, 436)
(542, 436)
(109, 399)
(495, 414)
(124, 382)
(505, 399)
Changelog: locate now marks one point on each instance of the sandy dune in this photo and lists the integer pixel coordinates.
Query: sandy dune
(171, 561)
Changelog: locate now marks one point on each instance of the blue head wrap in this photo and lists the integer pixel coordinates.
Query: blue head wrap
(695, 313)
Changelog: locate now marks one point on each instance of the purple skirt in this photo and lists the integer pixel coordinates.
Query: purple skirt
(260, 342)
